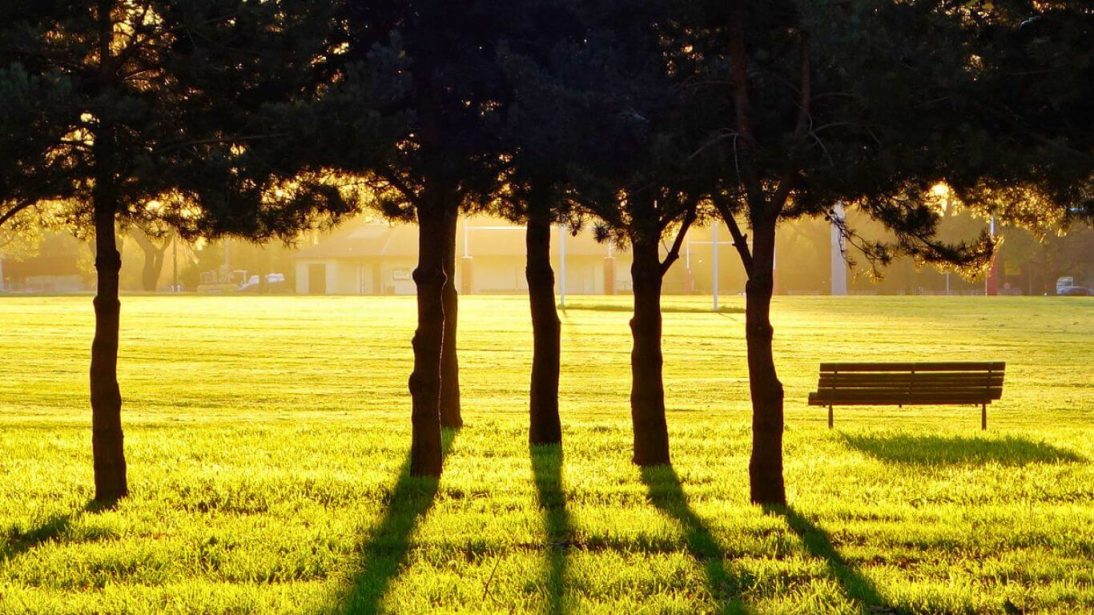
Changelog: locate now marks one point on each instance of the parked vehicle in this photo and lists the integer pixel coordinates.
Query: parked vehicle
(275, 283)
(1065, 287)
(1074, 291)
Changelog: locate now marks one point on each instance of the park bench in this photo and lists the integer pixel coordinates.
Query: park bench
(909, 384)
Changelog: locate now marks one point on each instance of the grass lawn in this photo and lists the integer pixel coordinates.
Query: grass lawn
(267, 440)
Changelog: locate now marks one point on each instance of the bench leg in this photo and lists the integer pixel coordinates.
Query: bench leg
(829, 417)
(983, 417)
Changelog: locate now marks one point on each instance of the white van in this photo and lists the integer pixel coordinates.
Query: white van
(1064, 282)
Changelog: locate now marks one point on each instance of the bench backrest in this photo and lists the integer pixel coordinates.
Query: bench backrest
(909, 383)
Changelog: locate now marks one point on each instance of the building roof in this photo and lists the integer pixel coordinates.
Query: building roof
(364, 241)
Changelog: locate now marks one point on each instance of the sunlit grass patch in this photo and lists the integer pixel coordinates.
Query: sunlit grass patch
(267, 441)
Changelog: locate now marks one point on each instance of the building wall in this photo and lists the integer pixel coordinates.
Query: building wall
(352, 278)
(489, 275)
(584, 275)
(343, 276)
(494, 274)
(303, 275)
(396, 276)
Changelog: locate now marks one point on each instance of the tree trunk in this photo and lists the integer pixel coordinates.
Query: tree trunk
(765, 469)
(153, 267)
(151, 275)
(545, 424)
(106, 398)
(450, 364)
(153, 258)
(425, 381)
(651, 436)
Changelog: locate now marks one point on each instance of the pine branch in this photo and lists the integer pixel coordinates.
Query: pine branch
(674, 252)
(14, 210)
(740, 241)
(396, 182)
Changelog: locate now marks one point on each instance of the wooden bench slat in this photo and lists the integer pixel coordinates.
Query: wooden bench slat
(910, 390)
(894, 397)
(901, 401)
(862, 391)
(941, 401)
(925, 379)
(882, 394)
(909, 374)
(905, 387)
(956, 366)
(898, 396)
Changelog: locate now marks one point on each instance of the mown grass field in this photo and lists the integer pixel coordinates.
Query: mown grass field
(267, 438)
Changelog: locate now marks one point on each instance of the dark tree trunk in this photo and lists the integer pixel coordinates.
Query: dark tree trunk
(651, 436)
(545, 424)
(150, 277)
(107, 440)
(765, 469)
(106, 398)
(153, 260)
(450, 364)
(425, 381)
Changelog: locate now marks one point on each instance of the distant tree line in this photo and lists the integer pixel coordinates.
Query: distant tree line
(641, 118)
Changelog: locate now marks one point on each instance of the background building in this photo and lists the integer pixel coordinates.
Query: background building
(375, 258)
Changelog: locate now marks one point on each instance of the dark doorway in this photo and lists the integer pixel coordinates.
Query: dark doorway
(317, 279)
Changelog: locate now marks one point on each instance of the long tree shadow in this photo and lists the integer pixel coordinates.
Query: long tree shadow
(667, 494)
(818, 543)
(547, 468)
(939, 450)
(386, 550)
(16, 541)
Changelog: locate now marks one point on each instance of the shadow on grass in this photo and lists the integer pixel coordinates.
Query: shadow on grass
(665, 309)
(388, 545)
(818, 543)
(547, 468)
(17, 541)
(939, 450)
(667, 494)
